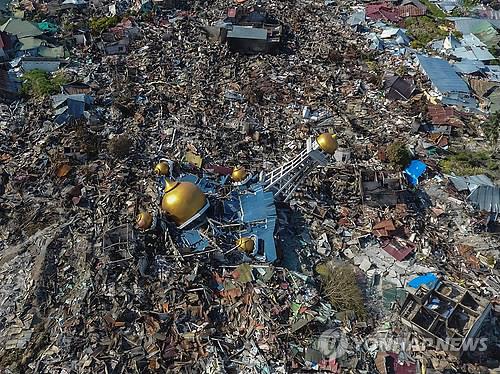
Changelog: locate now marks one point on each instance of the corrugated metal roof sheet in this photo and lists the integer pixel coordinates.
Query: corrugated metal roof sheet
(468, 25)
(443, 115)
(357, 18)
(442, 75)
(258, 212)
(472, 41)
(20, 28)
(481, 87)
(482, 54)
(468, 67)
(378, 11)
(9, 84)
(410, 11)
(486, 198)
(463, 53)
(470, 183)
(240, 32)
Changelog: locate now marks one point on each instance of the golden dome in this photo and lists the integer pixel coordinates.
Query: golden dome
(162, 168)
(182, 200)
(239, 174)
(245, 244)
(327, 142)
(144, 220)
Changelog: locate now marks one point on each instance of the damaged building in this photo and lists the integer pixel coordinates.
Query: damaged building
(250, 31)
(450, 315)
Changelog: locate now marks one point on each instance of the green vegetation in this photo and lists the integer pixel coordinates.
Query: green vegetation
(341, 287)
(425, 29)
(469, 4)
(398, 155)
(433, 9)
(491, 128)
(98, 25)
(471, 163)
(40, 84)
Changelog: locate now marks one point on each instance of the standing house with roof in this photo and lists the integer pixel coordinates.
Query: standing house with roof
(446, 82)
(26, 32)
(382, 12)
(411, 8)
(250, 31)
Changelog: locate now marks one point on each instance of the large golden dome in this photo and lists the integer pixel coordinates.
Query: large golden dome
(182, 200)
(327, 142)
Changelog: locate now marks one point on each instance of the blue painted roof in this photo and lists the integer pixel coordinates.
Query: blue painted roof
(258, 212)
(442, 75)
(468, 67)
(414, 171)
(193, 239)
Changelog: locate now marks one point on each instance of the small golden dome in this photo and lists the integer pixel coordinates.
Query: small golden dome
(245, 244)
(239, 174)
(327, 142)
(182, 200)
(144, 220)
(162, 168)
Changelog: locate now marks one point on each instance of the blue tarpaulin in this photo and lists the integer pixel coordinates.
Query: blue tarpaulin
(414, 171)
(429, 279)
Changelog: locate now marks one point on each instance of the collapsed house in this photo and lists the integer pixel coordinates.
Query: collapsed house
(449, 315)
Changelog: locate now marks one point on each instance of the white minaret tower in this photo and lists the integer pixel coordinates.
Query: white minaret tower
(284, 180)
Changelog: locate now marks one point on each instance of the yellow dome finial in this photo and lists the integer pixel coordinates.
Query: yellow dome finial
(239, 174)
(245, 244)
(327, 142)
(162, 168)
(144, 220)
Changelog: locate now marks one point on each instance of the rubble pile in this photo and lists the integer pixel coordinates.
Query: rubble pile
(94, 95)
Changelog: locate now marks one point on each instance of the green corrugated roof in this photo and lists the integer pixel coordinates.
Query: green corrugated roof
(20, 28)
(30, 43)
(56, 52)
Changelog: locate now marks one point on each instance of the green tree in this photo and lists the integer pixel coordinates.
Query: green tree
(398, 155)
(491, 128)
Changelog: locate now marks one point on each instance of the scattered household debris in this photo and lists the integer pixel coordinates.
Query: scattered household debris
(171, 204)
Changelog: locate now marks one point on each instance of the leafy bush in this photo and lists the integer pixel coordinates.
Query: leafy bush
(398, 155)
(40, 84)
(491, 128)
(470, 163)
(424, 30)
(341, 287)
(433, 9)
(98, 25)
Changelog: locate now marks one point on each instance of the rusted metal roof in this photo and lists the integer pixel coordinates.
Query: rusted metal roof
(441, 115)
(410, 11)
